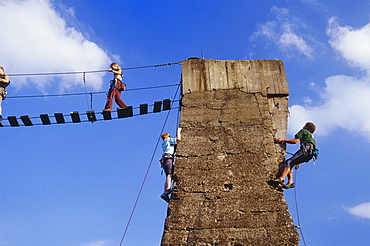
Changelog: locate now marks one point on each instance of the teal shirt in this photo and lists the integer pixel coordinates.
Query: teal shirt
(306, 137)
(168, 146)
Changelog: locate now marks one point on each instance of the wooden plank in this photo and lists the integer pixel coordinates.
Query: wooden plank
(107, 114)
(75, 117)
(166, 104)
(91, 115)
(45, 119)
(13, 121)
(125, 112)
(157, 107)
(26, 120)
(59, 118)
(144, 108)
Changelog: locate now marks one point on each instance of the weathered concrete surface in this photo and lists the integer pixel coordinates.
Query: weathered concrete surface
(258, 76)
(227, 155)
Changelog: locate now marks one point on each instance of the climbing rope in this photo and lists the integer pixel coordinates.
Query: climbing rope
(147, 171)
(296, 206)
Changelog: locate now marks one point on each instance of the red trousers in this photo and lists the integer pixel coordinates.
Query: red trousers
(116, 94)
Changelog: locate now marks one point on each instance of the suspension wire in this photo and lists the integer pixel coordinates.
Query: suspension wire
(84, 93)
(87, 99)
(54, 73)
(92, 71)
(147, 172)
(158, 65)
(91, 102)
(296, 206)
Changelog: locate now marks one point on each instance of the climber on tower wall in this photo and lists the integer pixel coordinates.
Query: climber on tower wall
(304, 154)
(167, 160)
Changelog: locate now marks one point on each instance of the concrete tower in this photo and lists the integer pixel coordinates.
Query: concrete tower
(231, 112)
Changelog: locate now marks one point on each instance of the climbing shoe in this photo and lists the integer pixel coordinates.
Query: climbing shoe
(165, 195)
(277, 182)
(288, 186)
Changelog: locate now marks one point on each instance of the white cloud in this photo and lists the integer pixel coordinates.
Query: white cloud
(362, 210)
(345, 104)
(353, 44)
(290, 40)
(345, 99)
(284, 31)
(38, 39)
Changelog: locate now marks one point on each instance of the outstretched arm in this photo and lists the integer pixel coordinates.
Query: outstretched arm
(289, 141)
(119, 71)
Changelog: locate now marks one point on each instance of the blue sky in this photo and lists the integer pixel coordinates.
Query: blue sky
(76, 184)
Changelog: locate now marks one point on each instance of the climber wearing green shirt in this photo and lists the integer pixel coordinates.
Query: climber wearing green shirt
(304, 154)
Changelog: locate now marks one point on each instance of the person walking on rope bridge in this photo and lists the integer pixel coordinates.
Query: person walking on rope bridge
(304, 154)
(4, 82)
(116, 86)
(167, 160)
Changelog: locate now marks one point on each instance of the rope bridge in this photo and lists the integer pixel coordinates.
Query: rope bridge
(88, 116)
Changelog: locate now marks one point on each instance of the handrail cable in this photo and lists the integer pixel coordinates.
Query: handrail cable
(84, 93)
(92, 71)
